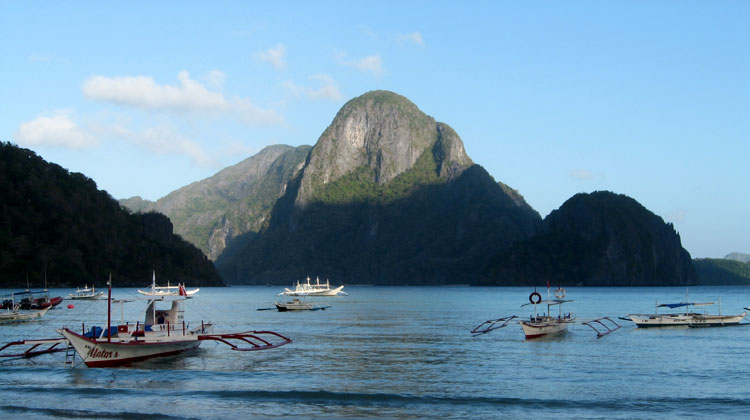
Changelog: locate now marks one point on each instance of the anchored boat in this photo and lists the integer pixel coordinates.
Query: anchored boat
(539, 325)
(298, 305)
(12, 316)
(313, 289)
(85, 294)
(544, 324)
(27, 300)
(167, 290)
(162, 332)
(688, 318)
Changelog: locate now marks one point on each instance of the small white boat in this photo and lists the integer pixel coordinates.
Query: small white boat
(540, 325)
(688, 318)
(297, 305)
(85, 293)
(313, 289)
(167, 290)
(12, 316)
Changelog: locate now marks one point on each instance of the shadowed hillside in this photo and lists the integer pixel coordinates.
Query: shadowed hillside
(58, 225)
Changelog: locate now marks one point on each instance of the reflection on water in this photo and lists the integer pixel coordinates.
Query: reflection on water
(401, 352)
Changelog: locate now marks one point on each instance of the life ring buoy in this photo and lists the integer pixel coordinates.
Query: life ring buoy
(560, 293)
(538, 298)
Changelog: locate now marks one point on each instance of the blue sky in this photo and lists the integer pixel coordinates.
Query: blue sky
(646, 98)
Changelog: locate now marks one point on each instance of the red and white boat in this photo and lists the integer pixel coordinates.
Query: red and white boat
(163, 332)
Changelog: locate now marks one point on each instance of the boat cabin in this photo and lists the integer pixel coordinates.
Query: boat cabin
(174, 316)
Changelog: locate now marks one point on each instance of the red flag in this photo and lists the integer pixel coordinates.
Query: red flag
(183, 292)
(548, 284)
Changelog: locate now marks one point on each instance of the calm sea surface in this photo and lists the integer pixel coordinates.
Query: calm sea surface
(400, 353)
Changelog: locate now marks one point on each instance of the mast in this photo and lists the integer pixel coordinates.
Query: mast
(109, 308)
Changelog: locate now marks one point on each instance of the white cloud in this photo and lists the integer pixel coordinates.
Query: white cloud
(274, 56)
(370, 64)
(215, 79)
(582, 174)
(189, 96)
(328, 90)
(57, 130)
(677, 216)
(161, 140)
(414, 38)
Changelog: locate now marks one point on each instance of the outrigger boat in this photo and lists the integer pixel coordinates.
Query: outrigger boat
(13, 316)
(85, 294)
(167, 290)
(163, 332)
(298, 305)
(687, 318)
(539, 325)
(28, 300)
(545, 324)
(310, 289)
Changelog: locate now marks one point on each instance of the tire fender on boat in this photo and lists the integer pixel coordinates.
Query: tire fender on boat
(538, 298)
(560, 293)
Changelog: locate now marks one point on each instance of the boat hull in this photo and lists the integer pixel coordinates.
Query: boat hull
(95, 296)
(686, 320)
(101, 353)
(541, 329)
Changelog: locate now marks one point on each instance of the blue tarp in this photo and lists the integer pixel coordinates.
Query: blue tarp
(96, 332)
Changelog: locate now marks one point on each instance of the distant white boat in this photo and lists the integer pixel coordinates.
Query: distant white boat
(687, 318)
(85, 293)
(167, 290)
(13, 316)
(297, 305)
(313, 289)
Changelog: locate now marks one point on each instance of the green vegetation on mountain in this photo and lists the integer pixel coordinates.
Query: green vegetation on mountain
(57, 225)
(597, 239)
(235, 201)
(716, 271)
(386, 197)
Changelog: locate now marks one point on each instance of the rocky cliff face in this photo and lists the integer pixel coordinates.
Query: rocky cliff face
(737, 256)
(387, 196)
(238, 199)
(598, 239)
(385, 133)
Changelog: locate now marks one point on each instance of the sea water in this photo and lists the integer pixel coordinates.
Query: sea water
(399, 353)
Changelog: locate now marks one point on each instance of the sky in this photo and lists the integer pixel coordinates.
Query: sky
(650, 99)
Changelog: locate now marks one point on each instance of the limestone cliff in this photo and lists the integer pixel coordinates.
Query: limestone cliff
(236, 200)
(385, 133)
(386, 196)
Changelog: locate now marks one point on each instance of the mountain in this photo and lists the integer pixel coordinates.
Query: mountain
(58, 226)
(235, 201)
(717, 271)
(386, 196)
(736, 256)
(597, 239)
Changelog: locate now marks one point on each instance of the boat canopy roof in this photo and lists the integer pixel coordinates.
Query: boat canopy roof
(549, 302)
(682, 304)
